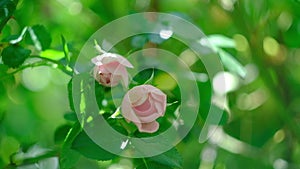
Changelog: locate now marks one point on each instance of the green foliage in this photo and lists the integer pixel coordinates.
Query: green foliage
(52, 54)
(3, 71)
(70, 95)
(39, 37)
(71, 116)
(170, 158)
(221, 41)
(85, 146)
(65, 48)
(61, 132)
(7, 7)
(231, 63)
(14, 55)
(153, 165)
(68, 156)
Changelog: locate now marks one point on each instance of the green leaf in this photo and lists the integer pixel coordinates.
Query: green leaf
(70, 116)
(73, 132)
(85, 146)
(14, 55)
(145, 76)
(6, 31)
(2, 164)
(7, 7)
(14, 39)
(65, 48)
(69, 157)
(61, 132)
(6, 81)
(170, 158)
(221, 41)
(292, 35)
(153, 165)
(9, 38)
(3, 70)
(52, 54)
(39, 37)
(231, 63)
(69, 58)
(70, 95)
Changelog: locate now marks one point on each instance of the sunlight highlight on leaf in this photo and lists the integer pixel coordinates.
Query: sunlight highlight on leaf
(231, 63)
(52, 54)
(221, 41)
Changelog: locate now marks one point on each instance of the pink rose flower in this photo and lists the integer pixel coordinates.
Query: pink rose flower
(110, 69)
(143, 105)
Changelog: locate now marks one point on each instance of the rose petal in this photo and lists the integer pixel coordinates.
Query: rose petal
(102, 69)
(160, 107)
(149, 118)
(108, 58)
(137, 95)
(158, 95)
(112, 57)
(112, 66)
(148, 127)
(115, 68)
(124, 77)
(127, 111)
(143, 107)
(97, 60)
(115, 80)
(96, 73)
(160, 101)
(124, 61)
(105, 79)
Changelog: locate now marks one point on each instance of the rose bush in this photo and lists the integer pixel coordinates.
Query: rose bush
(143, 105)
(110, 69)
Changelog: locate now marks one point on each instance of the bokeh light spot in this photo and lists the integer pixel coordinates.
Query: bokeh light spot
(225, 82)
(279, 136)
(188, 57)
(284, 21)
(271, 46)
(164, 81)
(241, 43)
(75, 8)
(165, 34)
(36, 79)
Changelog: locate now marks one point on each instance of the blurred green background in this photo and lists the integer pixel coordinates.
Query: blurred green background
(261, 128)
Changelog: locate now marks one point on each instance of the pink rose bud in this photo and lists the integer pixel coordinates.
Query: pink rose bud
(110, 69)
(143, 105)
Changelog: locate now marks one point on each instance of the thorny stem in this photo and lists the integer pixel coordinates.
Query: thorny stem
(32, 160)
(36, 64)
(62, 67)
(43, 62)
